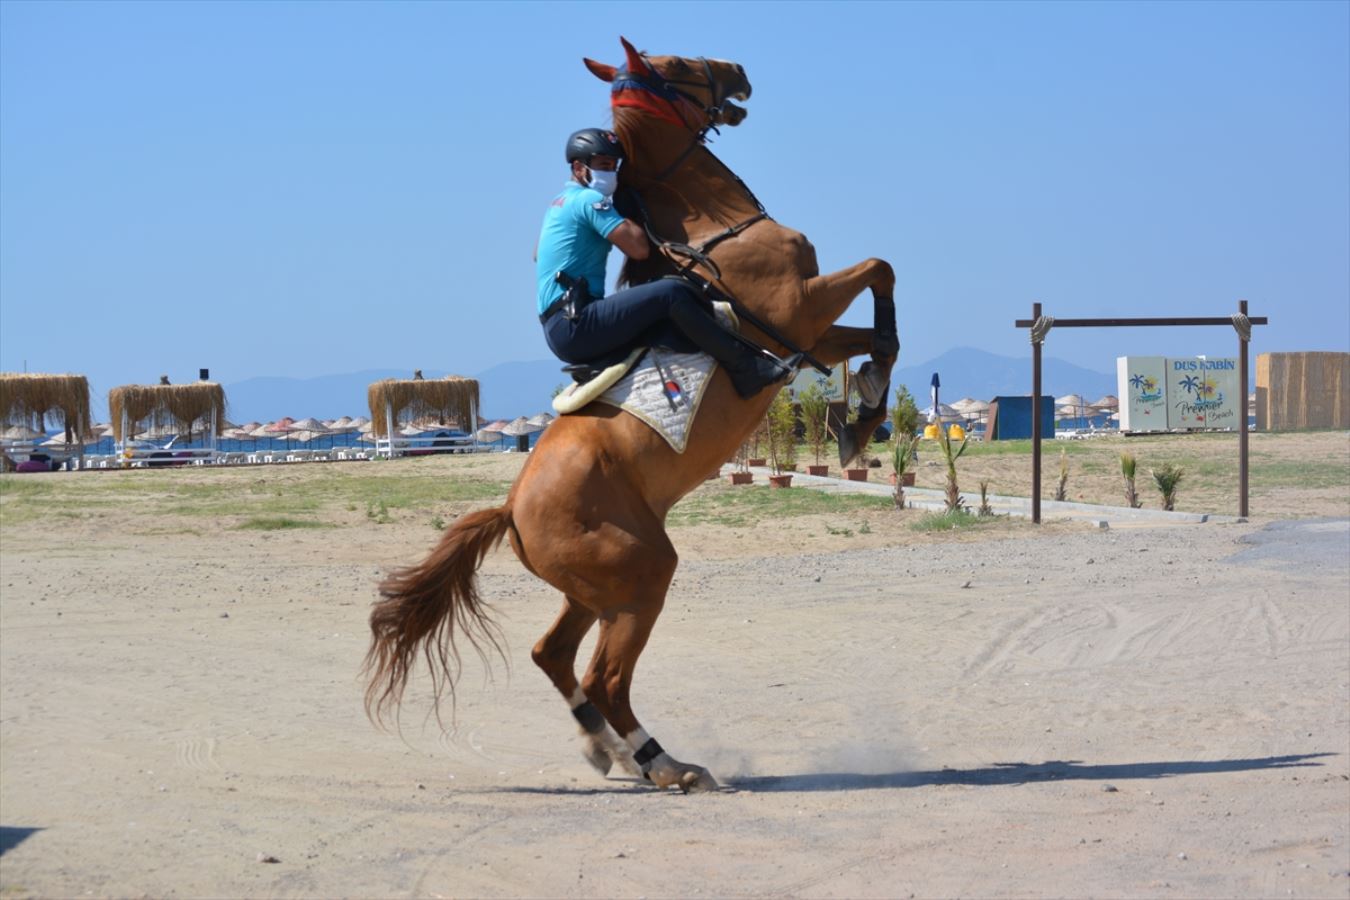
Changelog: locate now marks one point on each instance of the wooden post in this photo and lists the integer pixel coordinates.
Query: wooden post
(1242, 419)
(1035, 420)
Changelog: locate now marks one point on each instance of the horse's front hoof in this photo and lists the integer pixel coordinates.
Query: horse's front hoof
(697, 781)
(848, 446)
(667, 772)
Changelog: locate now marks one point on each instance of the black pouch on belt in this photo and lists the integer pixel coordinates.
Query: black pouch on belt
(576, 294)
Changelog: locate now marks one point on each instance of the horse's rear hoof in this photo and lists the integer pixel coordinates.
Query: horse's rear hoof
(599, 758)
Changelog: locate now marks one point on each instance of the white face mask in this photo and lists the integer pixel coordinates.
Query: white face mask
(604, 182)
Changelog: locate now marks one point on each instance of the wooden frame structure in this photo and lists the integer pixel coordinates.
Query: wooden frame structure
(450, 398)
(182, 407)
(1040, 326)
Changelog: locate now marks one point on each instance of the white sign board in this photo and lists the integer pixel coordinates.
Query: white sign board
(832, 384)
(1188, 394)
(1141, 385)
(1202, 393)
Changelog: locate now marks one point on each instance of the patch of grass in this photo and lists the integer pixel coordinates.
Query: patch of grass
(24, 487)
(167, 492)
(1300, 473)
(378, 513)
(947, 521)
(747, 505)
(277, 523)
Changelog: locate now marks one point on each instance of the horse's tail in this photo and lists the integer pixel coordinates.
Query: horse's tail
(423, 606)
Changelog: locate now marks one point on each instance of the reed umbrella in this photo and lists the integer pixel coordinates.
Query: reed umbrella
(21, 434)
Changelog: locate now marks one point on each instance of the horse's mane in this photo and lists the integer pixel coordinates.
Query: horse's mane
(698, 185)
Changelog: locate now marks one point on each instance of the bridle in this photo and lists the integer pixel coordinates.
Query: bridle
(670, 90)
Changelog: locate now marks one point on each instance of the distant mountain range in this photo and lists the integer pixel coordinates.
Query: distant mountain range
(525, 388)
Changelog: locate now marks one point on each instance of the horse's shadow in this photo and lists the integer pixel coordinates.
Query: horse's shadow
(11, 837)
(1011, 774)
(999, 774)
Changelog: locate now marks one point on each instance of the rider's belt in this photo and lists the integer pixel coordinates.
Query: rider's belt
(554, 307)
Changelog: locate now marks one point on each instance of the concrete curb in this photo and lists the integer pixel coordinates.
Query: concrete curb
(929, 499)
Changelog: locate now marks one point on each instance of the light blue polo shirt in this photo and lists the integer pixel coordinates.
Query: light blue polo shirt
(574, 240)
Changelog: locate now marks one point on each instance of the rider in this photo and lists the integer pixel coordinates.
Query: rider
(579, 227)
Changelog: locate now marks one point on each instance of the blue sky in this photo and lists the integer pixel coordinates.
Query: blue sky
(307, 188)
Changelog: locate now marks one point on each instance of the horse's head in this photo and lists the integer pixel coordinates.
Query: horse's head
(693, 93)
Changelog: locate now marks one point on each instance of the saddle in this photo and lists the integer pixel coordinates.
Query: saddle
(660, 385)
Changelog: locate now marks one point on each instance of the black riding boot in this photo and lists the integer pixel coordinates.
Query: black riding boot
(751, 371)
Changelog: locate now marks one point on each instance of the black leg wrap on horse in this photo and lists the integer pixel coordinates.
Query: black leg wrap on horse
(589, 718)
(885, 341)
(646, 753)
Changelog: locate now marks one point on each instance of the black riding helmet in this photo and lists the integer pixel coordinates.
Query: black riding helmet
(588, 142)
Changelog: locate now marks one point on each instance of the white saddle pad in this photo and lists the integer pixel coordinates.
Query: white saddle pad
(664, 390)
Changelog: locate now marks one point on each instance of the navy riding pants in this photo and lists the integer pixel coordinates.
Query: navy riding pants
(624, 319)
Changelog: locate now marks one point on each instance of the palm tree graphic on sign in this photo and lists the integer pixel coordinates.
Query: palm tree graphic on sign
(1136, 381)
(1190, 383)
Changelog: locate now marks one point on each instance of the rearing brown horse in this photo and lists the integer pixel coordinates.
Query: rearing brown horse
(587, 513)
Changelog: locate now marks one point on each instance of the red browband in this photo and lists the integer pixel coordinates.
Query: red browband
(645, 101)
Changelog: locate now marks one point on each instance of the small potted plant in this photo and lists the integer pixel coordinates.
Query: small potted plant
(742, 474)
(782, 427)
(1167, 477)
(904, 415)
(815, 408)
(902, 455)
(953, 490)
(1127, 468)
(858, 471)
(760, 435)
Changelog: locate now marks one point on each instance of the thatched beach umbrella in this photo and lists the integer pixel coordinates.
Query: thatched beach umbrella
(310, 424)
(520, 426)
(31, 399)
(949, 413)
(1110, 401)
(543, 420)
(394, 401)
(21, 433)
(180, 408)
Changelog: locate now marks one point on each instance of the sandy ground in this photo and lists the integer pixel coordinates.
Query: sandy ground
(1151, 711)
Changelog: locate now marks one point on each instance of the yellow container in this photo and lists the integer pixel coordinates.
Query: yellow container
(956, 433)
(930, 432)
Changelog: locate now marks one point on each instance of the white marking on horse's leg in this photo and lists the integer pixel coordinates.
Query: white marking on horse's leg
(663, 770)
(600, 745)
(637, 738)
(655, 763)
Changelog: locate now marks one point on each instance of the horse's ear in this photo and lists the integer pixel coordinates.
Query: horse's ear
(636, 64)
(601, 70)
